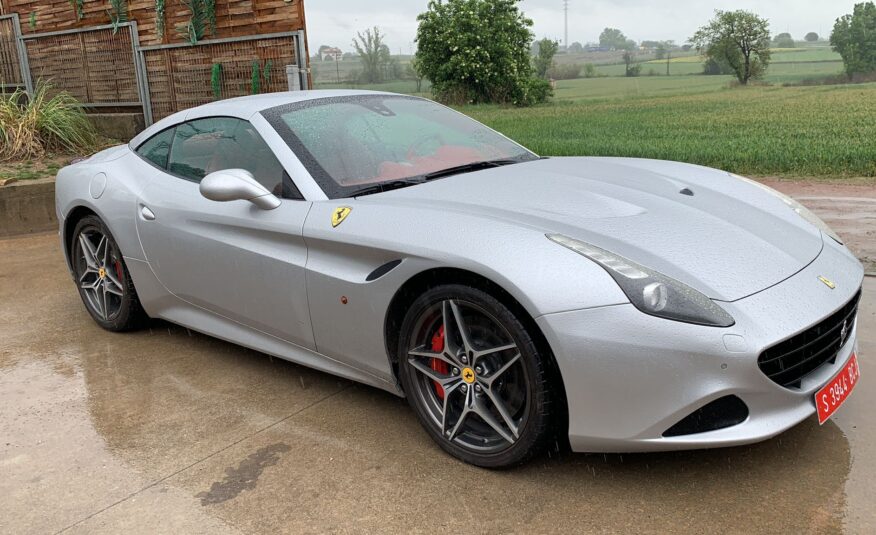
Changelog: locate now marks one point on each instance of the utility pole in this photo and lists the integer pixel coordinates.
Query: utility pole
(566, 9)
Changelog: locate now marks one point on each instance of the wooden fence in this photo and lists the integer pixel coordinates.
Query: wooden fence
(132, 64)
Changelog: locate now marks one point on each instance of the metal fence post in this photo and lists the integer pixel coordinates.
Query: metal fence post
(140, 73)
(300, 52)
(23, 64)
(293, 77)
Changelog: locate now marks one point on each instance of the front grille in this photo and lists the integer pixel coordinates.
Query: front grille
(788, 362)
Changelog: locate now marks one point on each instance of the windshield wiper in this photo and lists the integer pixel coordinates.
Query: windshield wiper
(467, 168)
(384, 186)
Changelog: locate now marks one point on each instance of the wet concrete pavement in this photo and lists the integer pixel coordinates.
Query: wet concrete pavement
(166, 430)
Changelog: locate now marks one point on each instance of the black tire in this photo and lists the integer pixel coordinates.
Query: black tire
(124, 311)
(524, 372)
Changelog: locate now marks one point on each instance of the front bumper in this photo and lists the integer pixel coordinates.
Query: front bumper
(629, 376)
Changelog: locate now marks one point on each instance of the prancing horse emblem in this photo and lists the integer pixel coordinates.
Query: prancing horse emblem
(843, 332)
(340, 213)
(827, 282)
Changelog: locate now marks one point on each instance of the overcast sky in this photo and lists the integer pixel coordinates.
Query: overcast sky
(335, 22)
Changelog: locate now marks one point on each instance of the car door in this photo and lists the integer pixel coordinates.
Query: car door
(231, 258)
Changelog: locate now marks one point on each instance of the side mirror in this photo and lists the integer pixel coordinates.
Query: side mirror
(237, 185)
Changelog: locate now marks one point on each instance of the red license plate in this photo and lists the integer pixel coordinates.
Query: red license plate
(835, 392)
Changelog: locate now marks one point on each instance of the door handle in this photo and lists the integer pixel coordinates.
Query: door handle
(146, 213)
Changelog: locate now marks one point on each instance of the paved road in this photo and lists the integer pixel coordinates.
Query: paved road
(169, 431)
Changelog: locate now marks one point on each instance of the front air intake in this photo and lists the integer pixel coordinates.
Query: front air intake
(719, 414)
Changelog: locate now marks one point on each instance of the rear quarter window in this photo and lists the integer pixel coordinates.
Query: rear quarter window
(157, 148)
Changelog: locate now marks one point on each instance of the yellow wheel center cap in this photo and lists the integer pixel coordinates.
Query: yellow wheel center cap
(468, 375)
(101, 273)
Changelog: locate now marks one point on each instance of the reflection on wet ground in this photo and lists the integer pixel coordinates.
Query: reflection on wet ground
(169, 430)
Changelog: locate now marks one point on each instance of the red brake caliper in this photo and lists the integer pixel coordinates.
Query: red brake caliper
(437, 364)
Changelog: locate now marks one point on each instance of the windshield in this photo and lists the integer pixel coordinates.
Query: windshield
(367, 142)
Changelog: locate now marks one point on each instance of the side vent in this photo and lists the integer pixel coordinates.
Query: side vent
(687, 191)
(382, 270)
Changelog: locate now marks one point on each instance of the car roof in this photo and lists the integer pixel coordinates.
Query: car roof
(245, 107)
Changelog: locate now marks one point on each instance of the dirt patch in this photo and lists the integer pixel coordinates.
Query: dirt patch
(849, 209)
(45, 167)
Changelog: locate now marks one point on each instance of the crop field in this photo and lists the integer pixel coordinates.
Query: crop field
(783, 131)
(821, 131)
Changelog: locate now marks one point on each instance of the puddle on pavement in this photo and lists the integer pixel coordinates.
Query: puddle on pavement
(87, 418)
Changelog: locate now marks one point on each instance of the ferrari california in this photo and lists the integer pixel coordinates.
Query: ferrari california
(515, 300)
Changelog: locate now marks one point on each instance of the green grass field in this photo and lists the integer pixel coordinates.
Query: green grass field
(788, 131)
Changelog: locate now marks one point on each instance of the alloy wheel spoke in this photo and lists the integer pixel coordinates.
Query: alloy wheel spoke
(113, 285)
(466, 409)
(88, 252)
(461, 327)
(481, 409)
(102, 251)
(503, 411)
(104, 302)
(449, 390)
(488, 380)
(426, 370)
(88, 271)
(444, 357)
(486, 352)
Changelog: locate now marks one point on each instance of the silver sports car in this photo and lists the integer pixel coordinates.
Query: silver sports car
(625, 304)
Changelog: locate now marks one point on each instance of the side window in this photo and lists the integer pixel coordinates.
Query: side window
(157, 148)
(206, 145)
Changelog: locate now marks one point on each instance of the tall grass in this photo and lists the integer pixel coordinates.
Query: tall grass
(46, 122)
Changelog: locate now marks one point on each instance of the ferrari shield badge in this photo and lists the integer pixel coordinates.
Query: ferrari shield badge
(340, 214)
(827, 282)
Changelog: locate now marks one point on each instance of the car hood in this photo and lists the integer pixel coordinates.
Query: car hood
(723, 236)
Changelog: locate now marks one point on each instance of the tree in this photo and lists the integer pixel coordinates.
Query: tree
(854, 38)
(660, 51)
(543, 61)
(478, 51)
(613, 38)
(632, 68)
(784, 40)
(740, 38)
(811, 37)
(372, 53)
(576, 48)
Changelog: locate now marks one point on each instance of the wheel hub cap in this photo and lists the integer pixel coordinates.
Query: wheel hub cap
(468, 375)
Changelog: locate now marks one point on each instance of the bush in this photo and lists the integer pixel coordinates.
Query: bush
(564, 72)
(535, 91)
(29, 127)
(477, 51)
(589, 70)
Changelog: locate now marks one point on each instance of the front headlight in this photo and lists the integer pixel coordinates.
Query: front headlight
(652, 292)
(801, 210)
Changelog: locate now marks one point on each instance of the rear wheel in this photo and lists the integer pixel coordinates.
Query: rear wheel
(474, 376)
(102, 277)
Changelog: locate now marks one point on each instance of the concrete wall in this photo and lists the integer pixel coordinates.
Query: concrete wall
(121, 126)
(27, 206)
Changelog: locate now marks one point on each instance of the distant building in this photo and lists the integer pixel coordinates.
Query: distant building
(331, 54)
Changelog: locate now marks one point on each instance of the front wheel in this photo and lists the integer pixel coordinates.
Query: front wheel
(102, 277)
(475, 377)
